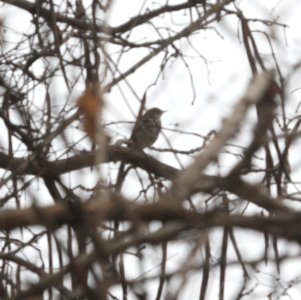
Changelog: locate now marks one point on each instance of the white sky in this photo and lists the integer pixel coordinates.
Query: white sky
(216, 93)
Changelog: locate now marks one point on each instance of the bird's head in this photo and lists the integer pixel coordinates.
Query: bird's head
(154, 113)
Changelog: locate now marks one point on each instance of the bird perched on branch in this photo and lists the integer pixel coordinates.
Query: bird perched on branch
(147, 129)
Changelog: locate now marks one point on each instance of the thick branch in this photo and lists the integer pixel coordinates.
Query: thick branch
(205, 183)
(285, 224)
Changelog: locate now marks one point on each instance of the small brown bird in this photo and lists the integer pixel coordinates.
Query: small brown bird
(147, 129)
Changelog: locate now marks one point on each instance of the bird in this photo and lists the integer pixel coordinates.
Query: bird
(147, 129)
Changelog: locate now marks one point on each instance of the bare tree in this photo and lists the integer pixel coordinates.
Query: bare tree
(85, 214)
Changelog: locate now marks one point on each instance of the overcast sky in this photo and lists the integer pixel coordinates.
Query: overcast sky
(198, 101)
